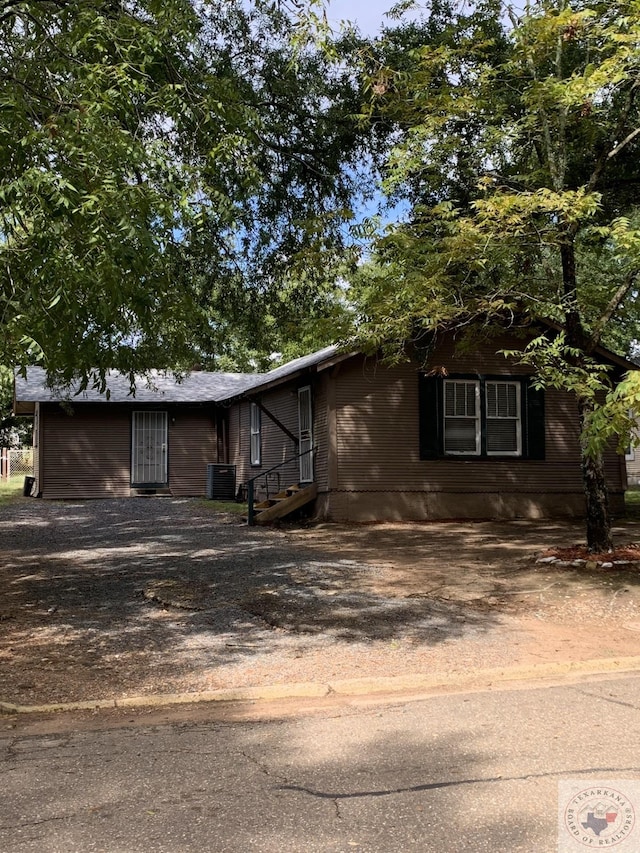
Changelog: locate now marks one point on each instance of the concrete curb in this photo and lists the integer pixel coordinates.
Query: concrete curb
(349, 687)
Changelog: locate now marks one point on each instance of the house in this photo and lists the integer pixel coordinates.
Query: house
(467, 437)
(632, 458)
(90, 444)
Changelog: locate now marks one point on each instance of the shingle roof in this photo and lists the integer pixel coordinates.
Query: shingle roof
(284, 371)
(196, 387)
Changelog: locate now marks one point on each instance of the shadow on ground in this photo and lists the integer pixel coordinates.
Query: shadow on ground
(102, 598)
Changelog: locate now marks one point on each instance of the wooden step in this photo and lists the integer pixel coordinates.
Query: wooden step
(263, 504)
(299, 497)
(283, 495)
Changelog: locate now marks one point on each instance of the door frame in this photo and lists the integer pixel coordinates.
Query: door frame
(162, 417)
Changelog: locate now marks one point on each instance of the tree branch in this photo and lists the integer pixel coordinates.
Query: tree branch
(9, 7)
(609, 311)
(605, 154)
(624, 142)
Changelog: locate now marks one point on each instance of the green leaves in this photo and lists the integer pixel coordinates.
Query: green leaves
(517, 154)
(165, 171)
(89, 190)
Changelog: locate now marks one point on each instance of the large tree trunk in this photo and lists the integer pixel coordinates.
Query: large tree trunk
(599, 537)
(595, 489)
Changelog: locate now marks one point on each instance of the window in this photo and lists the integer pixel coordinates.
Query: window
(503, 420)
(462, 417)
(255, 433)
(481, 416)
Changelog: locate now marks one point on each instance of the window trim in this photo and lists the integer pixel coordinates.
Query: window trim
(477, 418)
(255, 436)
(630, 449)
(519, 418)
(532, 418)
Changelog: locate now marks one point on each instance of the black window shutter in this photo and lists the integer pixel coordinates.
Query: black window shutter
(430, 426)
(535, 422)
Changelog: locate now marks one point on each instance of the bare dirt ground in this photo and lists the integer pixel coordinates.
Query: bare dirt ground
(107, 599)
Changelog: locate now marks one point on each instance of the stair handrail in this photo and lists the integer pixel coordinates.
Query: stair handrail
(252, 480)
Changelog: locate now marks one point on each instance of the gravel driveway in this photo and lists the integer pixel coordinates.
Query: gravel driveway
(106, 599)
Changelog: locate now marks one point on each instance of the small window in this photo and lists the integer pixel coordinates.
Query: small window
(256, 439)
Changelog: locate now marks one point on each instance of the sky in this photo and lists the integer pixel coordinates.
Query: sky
(368, 14)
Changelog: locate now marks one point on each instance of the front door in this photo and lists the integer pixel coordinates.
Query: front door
(149, 449)
(305, 434)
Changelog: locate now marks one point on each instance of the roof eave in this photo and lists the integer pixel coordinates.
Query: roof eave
(325, 364)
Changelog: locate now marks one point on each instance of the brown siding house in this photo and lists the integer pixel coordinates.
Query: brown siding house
(391, 460)
(465, 435)
(90, 445)
(632, 459)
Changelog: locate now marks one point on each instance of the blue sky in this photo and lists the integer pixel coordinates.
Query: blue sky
(368, 14)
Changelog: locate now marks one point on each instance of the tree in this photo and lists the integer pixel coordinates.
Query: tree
(518, 152)
(164, 167)
(92, 193)
(271, 281)
(14, 432)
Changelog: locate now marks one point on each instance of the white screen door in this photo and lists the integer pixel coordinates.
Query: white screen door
(149, 449)
(305, 433)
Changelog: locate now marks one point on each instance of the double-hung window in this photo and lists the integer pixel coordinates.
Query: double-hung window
(481, 417)
(255, 450)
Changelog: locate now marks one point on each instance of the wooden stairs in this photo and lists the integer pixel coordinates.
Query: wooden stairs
(284, 502)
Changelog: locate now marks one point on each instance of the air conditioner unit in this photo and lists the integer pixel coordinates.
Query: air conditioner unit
(221, 482)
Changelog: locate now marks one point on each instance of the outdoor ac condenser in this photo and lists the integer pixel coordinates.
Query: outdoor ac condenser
(221, 482)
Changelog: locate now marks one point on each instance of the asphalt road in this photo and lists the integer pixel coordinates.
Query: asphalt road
(465, 772)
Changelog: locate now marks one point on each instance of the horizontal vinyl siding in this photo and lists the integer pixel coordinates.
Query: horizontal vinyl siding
(192, 445)
(485, 358)
(377, 427)
(85, 454)
(320, 431)
(236, 456)
(378, 437)
(276, 445)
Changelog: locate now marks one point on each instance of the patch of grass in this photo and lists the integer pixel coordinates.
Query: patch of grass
(632, 503)
(11, 490)
(227, 506)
